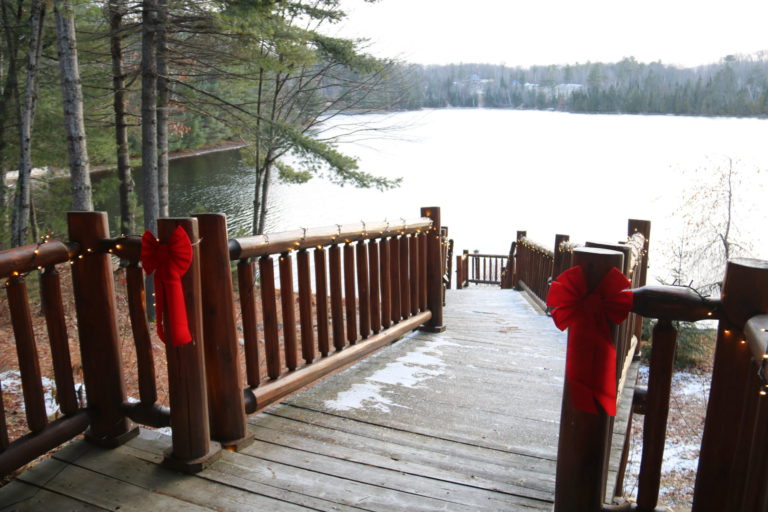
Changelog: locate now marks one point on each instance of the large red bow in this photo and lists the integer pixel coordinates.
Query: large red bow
(169, 262)
(590, 366)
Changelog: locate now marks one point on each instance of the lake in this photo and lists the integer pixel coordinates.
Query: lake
(494, 172)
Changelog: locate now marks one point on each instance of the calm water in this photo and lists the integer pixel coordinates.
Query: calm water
(497, 171)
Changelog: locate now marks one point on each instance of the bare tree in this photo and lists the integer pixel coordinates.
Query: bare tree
(72, 94)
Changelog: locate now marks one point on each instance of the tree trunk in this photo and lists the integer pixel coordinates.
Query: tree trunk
(20, 221)
(124, 174)
(149, 129)
(162, 108)
(10, 21)
(72, 94)
(264, 195)
(149, 114)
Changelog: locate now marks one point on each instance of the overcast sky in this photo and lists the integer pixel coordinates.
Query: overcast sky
(514, 32)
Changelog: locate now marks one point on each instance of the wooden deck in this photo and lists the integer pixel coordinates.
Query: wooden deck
(464, 420)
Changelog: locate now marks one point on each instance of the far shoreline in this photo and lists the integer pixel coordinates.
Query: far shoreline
(62, 172)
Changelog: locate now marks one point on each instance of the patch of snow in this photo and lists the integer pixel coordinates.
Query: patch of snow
(408, 371)
(360, 396)
(10, 382)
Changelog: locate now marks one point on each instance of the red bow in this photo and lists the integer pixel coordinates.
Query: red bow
(590, 365)
(169, 262)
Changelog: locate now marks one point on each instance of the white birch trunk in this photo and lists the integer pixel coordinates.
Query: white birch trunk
(72, 94)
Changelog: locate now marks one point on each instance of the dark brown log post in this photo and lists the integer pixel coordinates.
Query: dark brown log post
(245, 282)
(434, 275)
(558, 258)
(26, 350)
(50, 297)
(288, 307)
(374, 285)
(337, 308)
(644, 227)
(386, 283)
(94, 291)
(517, 263)
(269, 317)
(305, 307)
(192, 449)
(222, 358)
(583, 443)
(744, 294)
(363, 291)
(321, 298)
(656, 411)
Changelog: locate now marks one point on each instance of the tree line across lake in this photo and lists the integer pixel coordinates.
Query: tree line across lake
(736, 86)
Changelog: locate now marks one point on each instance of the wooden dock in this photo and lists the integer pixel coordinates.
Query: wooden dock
(462, 420)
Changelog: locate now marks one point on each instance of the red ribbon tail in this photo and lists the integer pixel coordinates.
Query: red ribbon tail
(159, 307)
(177, 316)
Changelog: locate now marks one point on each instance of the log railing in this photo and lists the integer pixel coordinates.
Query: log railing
(344, 291)
(479, 268)
(372, 284)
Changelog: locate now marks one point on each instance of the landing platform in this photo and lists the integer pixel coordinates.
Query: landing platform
(463, 420)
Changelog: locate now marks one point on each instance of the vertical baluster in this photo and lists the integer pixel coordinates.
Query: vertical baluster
(394, 275)
(657, 409)
(337, 308)
(26, 348)
(373, 282)
(289, 310)
(321, 298)
(305, 307)
(413, 264)
(145, 359)
(269, 311)
(423, 271)
(50, 296)
(363, 291)
(4, 441)
(245, 282)
(405, 285)
(386, 283)
(350, 301)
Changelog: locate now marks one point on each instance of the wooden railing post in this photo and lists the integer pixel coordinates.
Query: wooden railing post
(584, 437)
(222, 361)
(643, 227)
(192, 448)
(517, 264)
(719, 480)
(434, 275)
(558, 256)
(94, 291)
